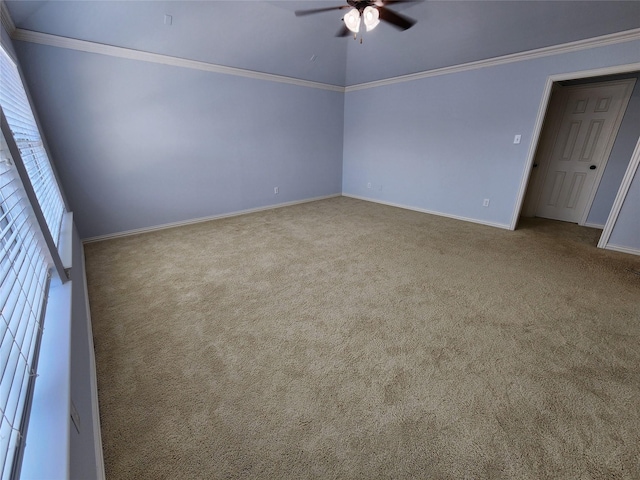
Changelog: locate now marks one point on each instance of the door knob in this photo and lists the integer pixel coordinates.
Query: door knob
(592, 167)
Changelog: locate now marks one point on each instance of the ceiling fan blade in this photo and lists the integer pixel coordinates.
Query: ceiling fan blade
(343, 32)
(391, 2)
(301, 13)
(399, 21)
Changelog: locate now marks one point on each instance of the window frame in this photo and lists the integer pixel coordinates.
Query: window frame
(46, 415)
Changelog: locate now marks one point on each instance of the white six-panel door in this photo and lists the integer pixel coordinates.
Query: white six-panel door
(588, 127)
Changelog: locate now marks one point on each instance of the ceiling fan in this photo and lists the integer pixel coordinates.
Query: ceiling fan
(367, 12)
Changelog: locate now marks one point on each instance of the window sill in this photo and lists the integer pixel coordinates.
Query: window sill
(46, 453)
(47, 441)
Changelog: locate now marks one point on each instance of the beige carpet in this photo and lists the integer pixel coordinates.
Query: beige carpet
(342, 339)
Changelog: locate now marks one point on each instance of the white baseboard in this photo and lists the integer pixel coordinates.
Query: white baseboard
(203, 219)
(593, 225)
(620, 248)
(430, 212)
(93, 380)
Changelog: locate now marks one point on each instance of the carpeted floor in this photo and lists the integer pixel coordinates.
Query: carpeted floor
(343, 339)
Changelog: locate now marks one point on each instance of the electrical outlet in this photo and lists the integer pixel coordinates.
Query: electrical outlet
(516, 139)
(485, 203)
(369, 185)
(276, 190)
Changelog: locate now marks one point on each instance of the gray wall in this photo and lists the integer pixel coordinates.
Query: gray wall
(445, 143)
(138, 144)
(626, 232)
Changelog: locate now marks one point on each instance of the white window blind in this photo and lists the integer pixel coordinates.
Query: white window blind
(17, 110)
(24, 275)
(26, 257)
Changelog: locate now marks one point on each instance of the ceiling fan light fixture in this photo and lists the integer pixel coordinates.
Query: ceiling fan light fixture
(352, 20)
(371, 17)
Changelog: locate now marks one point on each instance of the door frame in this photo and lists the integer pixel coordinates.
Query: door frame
(554, 118)
(620, 197)
(537, 130)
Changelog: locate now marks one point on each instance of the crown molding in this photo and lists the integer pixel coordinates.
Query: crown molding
(5, 18)
(131, 54)
(602, 41)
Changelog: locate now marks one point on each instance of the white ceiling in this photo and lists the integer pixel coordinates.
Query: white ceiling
(266, 36)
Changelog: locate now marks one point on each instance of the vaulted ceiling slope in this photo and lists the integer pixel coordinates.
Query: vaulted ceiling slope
(266, 36)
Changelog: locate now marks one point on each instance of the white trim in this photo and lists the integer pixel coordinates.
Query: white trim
(602, 41)
(593, 225)
(430, 212)
(103, 49)
(237, 213)
(620, 248)
(531, 154)
(48, 443)
(596, 72)
(632, 170)
(537, 129)
(5, 18)
(128, 53)
(93, 378)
